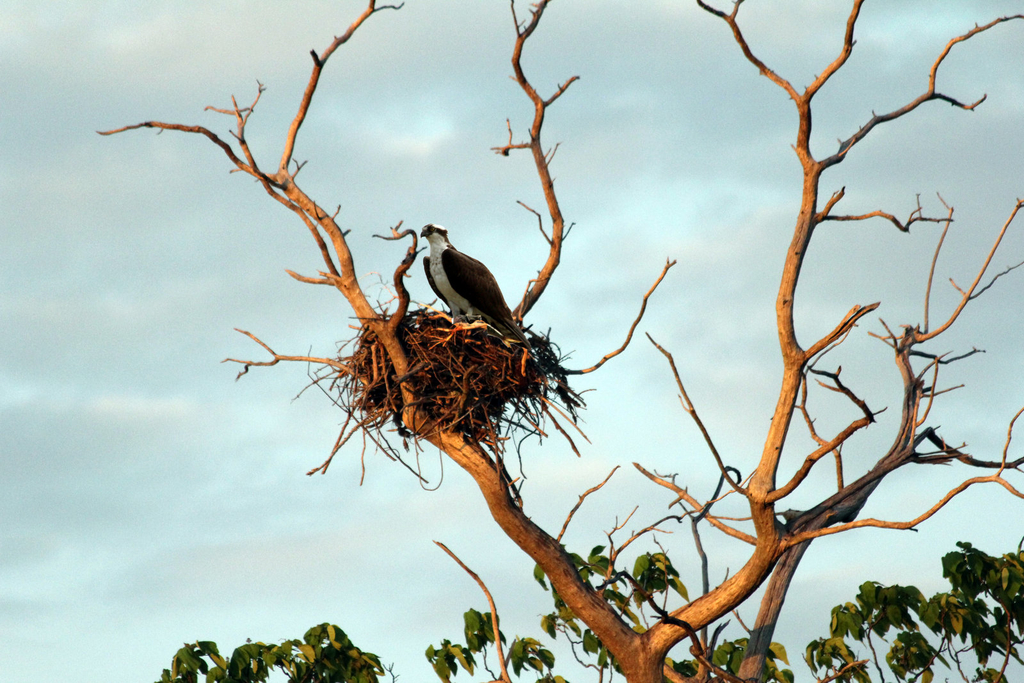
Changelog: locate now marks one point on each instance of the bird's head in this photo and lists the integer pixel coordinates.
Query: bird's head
(435, 234)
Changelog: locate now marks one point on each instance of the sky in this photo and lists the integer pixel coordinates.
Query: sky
(150, 499)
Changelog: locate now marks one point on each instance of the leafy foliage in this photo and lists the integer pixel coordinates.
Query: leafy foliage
(982, 615)
(324, 655)
(525, 654)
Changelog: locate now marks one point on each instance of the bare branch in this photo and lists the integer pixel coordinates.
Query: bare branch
(996, 277)
(646, 530)
(692, 412)
(681, 493)
(314, 78)
(844, 54)
(580, 502)
(935, 258)
(883, 524)
(844, 326)
(278, 358)
(535, 288)
(632, 328)
(821, 451)
(730, 19)
(969, 293)
(928, 95)
(401, 273)
(832, 201)
(186, 129)
(540, 221)
(903, 226)
(490, 601)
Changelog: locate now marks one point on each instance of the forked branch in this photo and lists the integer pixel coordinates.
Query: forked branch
(332, 362)
(972, 291)
(541, 157)
(730, 19)
(683, 494)
(883, 524)
(314, 78)
(928, 95)
(916, 216)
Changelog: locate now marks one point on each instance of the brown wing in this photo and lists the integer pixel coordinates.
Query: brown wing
(474, 281)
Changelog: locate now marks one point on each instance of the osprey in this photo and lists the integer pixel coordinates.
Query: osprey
(467, 286)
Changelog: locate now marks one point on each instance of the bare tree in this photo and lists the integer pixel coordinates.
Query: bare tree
(777, 539)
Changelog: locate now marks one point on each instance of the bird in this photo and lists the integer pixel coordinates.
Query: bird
(467, 286)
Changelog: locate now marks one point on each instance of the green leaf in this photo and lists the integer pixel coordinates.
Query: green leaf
(461, 656)
(472, 619)
(778, 651)
(539, 576)
(307, 652)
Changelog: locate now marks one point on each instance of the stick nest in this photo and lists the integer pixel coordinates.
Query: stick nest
(464, 379)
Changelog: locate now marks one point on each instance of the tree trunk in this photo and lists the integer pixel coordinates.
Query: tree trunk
(752, 667)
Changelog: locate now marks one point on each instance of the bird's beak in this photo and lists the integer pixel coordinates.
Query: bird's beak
(423, 232)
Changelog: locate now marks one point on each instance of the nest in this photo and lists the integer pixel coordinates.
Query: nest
(466, 380)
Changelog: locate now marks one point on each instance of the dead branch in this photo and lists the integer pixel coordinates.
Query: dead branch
(324, 279)
(314, 78)
(336, 364)
(692, 412)
(583, 497)
(883, 524)
(401, 273)
(730, 19)
(540, 221)
(490, 601)
(931, 271)
(916, 216)
(996, 277)
(159, 125)
(683, 494)
(841, 388)
(970, 294)
(842, 329)
(541, 158)
(826, 448)
(646, 530)
(282, 188)
(902, 227)
(929, 94)
(632, 328)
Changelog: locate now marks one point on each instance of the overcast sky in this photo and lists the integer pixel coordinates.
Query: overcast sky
(149, 499)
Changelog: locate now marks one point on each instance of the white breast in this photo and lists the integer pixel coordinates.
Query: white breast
(459, 305)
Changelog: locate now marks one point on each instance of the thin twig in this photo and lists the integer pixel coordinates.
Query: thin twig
(490, 601)
(692, 411)
(583, 497)
(632, 328)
